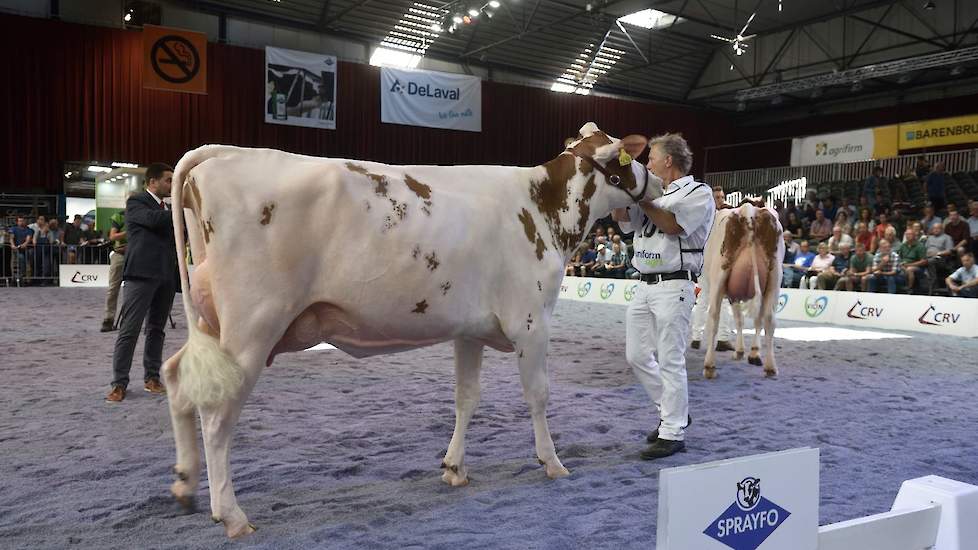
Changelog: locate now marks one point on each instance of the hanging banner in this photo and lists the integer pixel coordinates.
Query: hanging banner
(300, 88)
(434, 100)
(935, 133)
(855, 145)
(174, 60)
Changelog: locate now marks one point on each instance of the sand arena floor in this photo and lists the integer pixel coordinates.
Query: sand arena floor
(334, 452)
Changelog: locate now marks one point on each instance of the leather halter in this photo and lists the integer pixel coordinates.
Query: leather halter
(613, 179)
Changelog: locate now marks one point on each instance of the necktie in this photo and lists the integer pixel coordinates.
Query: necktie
(162, 205)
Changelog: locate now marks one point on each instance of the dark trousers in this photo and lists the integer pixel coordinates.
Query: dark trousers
(142, 299)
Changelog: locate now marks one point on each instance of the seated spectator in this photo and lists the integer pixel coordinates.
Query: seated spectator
(934, 187)
(821, 262)
(851, 211)
(871, 185)
(891, 235)
(842, 220)
(913, 259)
(794, 225)
(821, 228)
(973, 225)
(960, 233)
(865, 236)
(879, 226)
(964, 281)
(588, 261)
(939, 249)
(810, 207)
(897, 220)
(922, 168)
(621, 244)
(609, 235)
(799, 266)
(788, 261)
(930, 218)
(829, 209)
(829, 278)
(601, 261)
(886, 269)
(860, 265)
(574, 264)
(882, 204)
(838, 238)
(619, 261)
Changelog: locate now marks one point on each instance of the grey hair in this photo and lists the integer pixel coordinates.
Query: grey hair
(675, 146)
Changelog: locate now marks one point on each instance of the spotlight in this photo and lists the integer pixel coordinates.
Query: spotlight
(128, 16)
(457, 19)
(494, 4)
(473, 12)
(741, 107)
(930, 5)
(436, 27)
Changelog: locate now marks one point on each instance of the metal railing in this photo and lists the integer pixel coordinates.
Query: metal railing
(40, 264)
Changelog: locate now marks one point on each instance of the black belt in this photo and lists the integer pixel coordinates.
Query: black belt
(653, 278)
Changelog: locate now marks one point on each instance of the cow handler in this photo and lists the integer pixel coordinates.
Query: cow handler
(670, 234)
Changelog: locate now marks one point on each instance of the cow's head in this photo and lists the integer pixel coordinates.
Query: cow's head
(622, 181)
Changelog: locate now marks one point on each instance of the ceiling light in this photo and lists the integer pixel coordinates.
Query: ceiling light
(67, 174)
(96, 169)
(128, 17)
(457, 19)
(436, 27)
(494, 4)
(929, 5)
(473, 12)
(741, 106)
(125, 165)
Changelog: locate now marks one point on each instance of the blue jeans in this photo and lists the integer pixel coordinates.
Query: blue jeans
(891, 282)
(788, 278)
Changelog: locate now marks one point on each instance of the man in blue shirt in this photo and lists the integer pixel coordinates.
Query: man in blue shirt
(21, 239)
(934, 187)
(803, 261)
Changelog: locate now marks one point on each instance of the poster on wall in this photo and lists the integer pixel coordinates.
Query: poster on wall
(174, 60)
(431, 99)
(852, 146)
(300, 88)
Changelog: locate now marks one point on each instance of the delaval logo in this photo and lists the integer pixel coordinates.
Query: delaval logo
(937, 318)
(861, 311)
(815, 307)
(782, 302)
(749, 521)
(86, 278)
(424, 90)
(583, 289)
(629, 292)
(607, 290)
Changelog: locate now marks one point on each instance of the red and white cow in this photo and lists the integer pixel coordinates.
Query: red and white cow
(470, 254)
(742, 263)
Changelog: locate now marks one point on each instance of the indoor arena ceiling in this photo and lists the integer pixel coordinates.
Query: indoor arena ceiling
(698, 51)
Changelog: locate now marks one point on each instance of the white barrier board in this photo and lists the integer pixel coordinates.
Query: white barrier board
(84, 275)
(768, 501)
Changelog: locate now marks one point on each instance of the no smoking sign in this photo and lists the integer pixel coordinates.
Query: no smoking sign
(174, 60)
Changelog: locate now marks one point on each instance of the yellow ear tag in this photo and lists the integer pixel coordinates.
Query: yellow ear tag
(624, 158)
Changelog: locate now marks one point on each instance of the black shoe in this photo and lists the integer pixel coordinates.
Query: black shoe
(723, 345)
(695, 344)
(663, 448)
(654, 436)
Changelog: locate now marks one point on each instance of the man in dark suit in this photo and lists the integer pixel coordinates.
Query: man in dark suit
(150, 282)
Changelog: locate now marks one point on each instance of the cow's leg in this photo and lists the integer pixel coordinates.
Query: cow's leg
(182, 417)
(738, 313)
(468, 364)
(532, 351)
(765, 315)
(712, 321)
(754, 358)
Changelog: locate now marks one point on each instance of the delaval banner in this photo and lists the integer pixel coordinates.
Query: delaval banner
(768, 501)
(856, 145)
(431, 99)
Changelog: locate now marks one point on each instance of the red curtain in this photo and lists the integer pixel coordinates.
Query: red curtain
(74, 94)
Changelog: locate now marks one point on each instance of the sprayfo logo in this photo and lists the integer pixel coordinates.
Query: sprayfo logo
(583, 289)
(607, 290)
(749, 520)
(815, 307)
(425, 90)
(938, 318)
(782, 302)
(78, 277)
(629, 292)
(862, 311)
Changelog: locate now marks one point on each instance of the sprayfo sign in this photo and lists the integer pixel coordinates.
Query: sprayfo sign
(83, 275)
(431, 99)
(767, 501)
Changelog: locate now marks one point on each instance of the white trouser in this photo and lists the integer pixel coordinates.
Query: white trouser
(700, 315)
(656, 327)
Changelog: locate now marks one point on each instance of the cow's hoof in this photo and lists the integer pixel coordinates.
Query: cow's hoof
(709, 373)
(555, 471)
(187, 502)
(739, 354)
(455, 475)
(755, 361)
(240, 532)
(770, 373)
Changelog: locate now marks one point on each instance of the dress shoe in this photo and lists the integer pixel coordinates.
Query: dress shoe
(654, 435)
(107, 326)
(695, 344)
(117, 394)
(663, 448)
(153, 386)
(723, 345)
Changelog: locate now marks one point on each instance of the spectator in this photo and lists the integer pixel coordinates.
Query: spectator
(829, 278)
(588, 260)
(790, 247)
(72, 238)
(829, 209)
(871, 185)
(616, 267)
(842, 220)
(610, 235)
(866, 216)
(782, 212)
(838, 238)
(960, 233)
(117, 236)
(621, 244)
(922, 168)
(973, 225)
(571, 269)
(865, 236)
(891, 235)
(860, 266)
(964, 281)
(821, 228)
(886, 269)
(864, 205)
(43, 248)
(879, 228)
(57, 234)
(794, 224)
(820, 263)
(799, 266)
(913, 257)
(21, 238)
(934, 186)
(939, 248)
(851, 211)
(897, 220)
(929, 218)
(602, 260)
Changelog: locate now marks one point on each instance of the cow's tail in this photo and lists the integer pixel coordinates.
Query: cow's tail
(753, 262)
(207, 375)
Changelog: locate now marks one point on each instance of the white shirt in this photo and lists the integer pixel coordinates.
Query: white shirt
(158, 200)
(657, 252)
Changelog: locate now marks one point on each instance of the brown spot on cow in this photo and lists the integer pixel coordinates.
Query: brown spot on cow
(445, 287)
(266, 213)
(381, 181)
(532, 235)
(529, 321)
(420, 189)
(766, 233)
(433, 262)
(416, 251)
(420, 307)
(366, 205)
(539, 286)
(541, 248)
(208, 228)
(733, 239)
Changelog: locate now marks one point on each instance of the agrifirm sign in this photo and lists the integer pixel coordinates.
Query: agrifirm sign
(855, 145)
